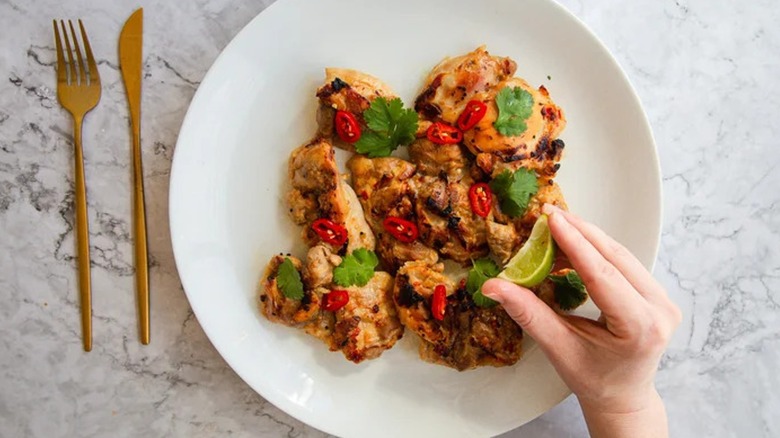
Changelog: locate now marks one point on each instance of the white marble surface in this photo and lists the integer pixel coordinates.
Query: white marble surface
(708, 73)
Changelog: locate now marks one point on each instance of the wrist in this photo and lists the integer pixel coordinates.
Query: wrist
(635, 400)
(639, 414)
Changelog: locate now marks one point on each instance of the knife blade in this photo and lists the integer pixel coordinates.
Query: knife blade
(130, 63)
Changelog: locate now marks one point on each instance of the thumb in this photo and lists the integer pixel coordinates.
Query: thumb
(534, 316)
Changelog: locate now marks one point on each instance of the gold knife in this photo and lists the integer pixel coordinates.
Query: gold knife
(130, 62)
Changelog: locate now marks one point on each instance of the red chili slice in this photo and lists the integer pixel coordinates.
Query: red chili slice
(442, 133)
(471, 115)
(481, 199)
(329, 231)
(335, 300)
(439, 302)
(401, 229)
(347, 126)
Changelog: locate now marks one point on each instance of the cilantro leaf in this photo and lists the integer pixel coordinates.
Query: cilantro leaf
(356, 268)
(569, 290)
(374, 145)
(289, 280)
(482, 270)
(514, 190)
(514, 108)
(389, 124)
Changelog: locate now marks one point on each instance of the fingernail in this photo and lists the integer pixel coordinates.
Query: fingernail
(549, 209)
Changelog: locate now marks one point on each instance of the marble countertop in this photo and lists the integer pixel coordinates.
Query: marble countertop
(708, 75)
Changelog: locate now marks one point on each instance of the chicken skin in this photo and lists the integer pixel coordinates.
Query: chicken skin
(456, 81)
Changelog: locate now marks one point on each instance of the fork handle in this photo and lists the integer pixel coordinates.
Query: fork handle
(82, 239)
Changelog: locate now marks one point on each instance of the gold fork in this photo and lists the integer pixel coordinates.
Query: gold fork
(78, 90)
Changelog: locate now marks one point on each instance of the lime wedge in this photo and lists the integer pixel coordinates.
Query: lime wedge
(533, 262)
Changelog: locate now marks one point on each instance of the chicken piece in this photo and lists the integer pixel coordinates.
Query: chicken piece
(444, 216)
(481, 337)
(437, 159)
(385, 189)
(545, 161)
(346, 90)
(536, 148)
(456, 81)
(280, 309)
(546, 292)
(468, 336)
(320, 262)
(502, 239)
(358, 231)
(549, 193)
(413, 291)
(368, 324)
(365, 327)
(318, 192)
(480, 76)
(506, 234)
(315, 192)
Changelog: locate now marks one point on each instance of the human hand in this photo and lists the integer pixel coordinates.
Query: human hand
(610, 363)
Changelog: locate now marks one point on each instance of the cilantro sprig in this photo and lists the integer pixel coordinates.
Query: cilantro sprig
(356, 268)
(514, 108)
(482, 270)
(514, 190)
(389, 124)
(569, 290)
(289, 280)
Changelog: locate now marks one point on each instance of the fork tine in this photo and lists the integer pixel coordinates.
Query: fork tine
(82, 71)
(62, 76)
(71, 64)
(94, 77)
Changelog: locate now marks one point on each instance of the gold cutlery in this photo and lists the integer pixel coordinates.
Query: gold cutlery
(130, 61)
(78, 90)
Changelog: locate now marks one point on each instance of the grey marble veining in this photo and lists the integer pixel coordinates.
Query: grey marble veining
(708, 73)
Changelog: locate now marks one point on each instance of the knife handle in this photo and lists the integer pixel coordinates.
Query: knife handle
(141, 249)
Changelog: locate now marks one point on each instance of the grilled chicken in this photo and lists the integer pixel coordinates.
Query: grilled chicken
(366, 326)
(385, 189)
(505, 235)
(413, 291)
(503, 239)
(468, 336)
(456, 81)
(280, 309)
(320, 262)
(430, 190)
(479, 337)
(548, 193)
(319, 192)
(480, 76)
(444, 216)
(346, 90)
(534, 146)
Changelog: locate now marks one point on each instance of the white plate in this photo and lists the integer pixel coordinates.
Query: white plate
(228, 179)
